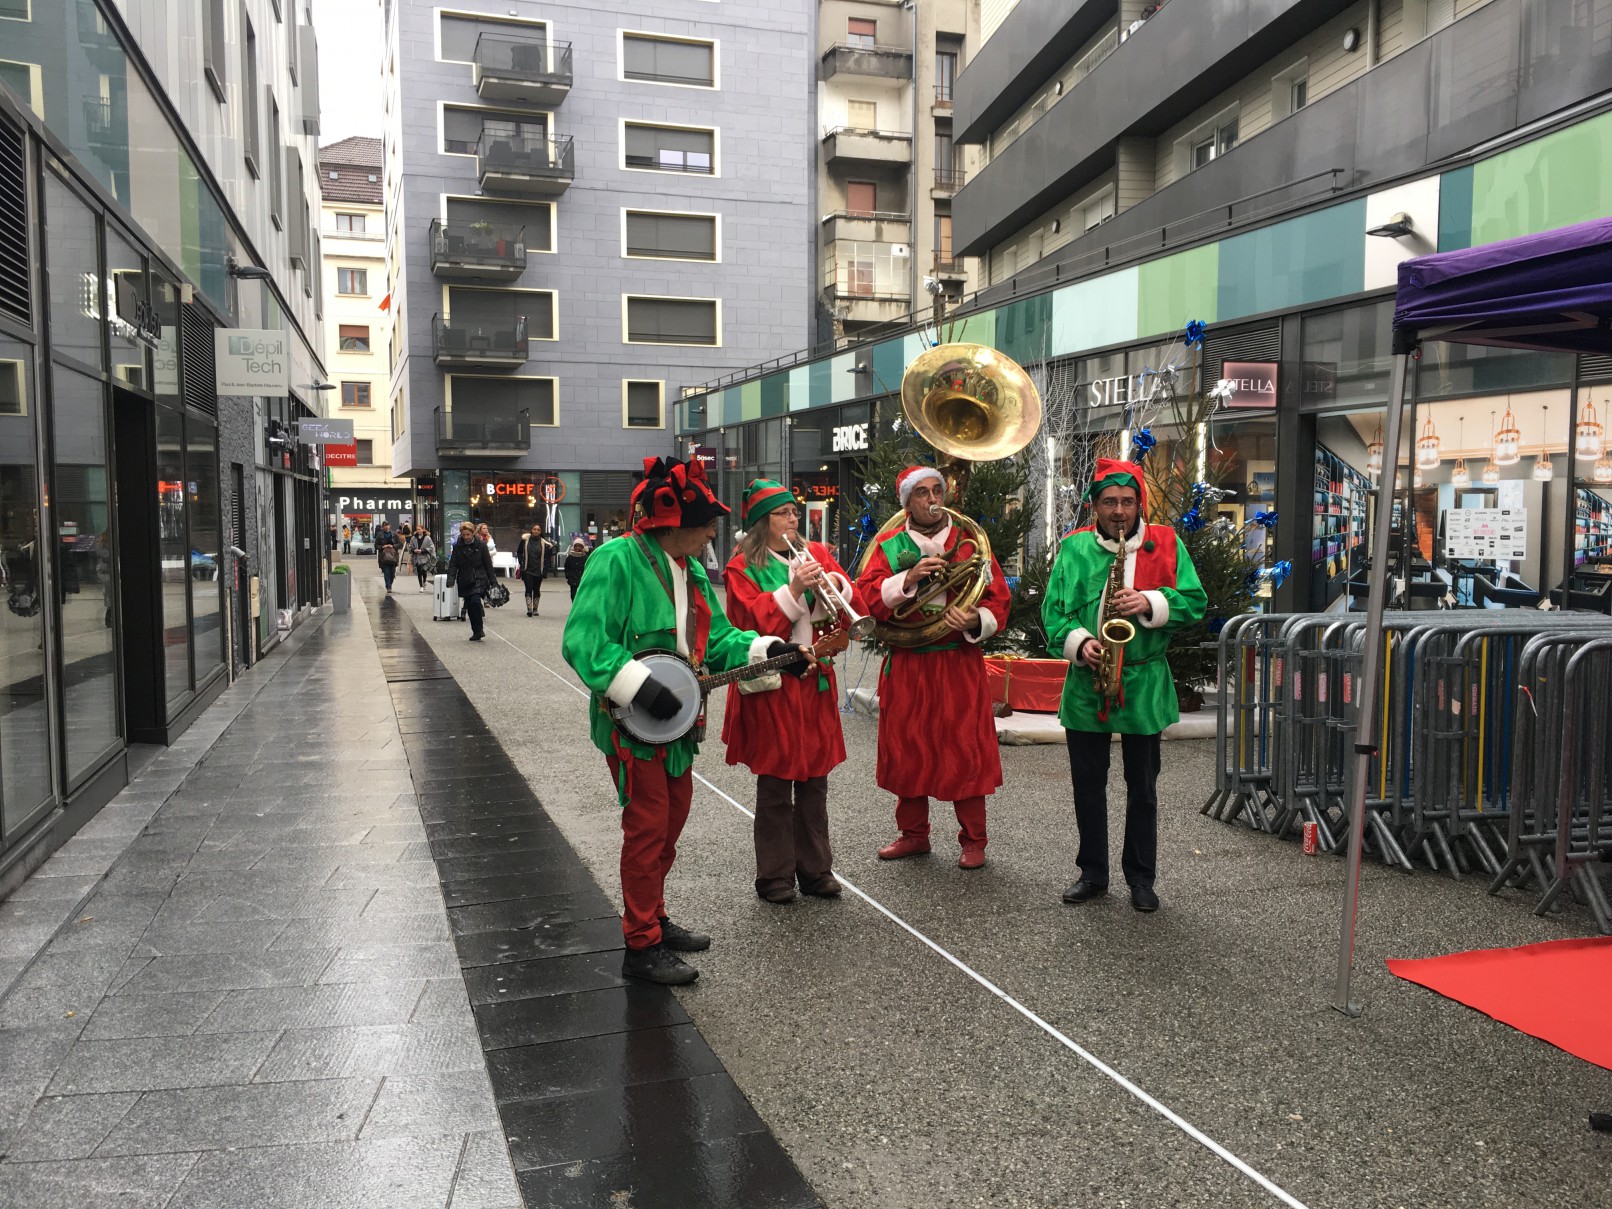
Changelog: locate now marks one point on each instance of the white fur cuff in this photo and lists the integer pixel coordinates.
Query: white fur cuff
(758, 648)
(787, 604)
(987, 627)
(625, 684)
(1072, 644)
(1161, 610)
(892, 590)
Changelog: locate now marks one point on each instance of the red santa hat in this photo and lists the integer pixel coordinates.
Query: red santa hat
(911, 477)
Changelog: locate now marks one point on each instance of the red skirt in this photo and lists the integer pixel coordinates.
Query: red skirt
(792, 733)
(936, 735)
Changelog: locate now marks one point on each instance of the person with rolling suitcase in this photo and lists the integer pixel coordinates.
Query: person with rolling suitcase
(471, 568)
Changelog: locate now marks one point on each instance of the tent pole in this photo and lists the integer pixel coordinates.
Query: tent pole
(1371, 653)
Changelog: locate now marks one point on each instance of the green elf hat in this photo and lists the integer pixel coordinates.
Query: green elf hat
(762, 496)
(1111, 472)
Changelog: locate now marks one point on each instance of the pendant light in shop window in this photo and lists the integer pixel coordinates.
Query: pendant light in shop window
(1603, 468)
(1374, 453)
(1491, 471)
(1427, 447)
(1460, 476)
(1588, 433)
(1508, 440)
(1544, 469)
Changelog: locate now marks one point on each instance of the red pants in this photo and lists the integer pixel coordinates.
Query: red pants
(912, 816)
(650, 824)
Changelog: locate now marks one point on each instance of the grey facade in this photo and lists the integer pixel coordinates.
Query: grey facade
(546, 173)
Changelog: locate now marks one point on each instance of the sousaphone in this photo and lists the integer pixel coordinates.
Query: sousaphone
(973, 404)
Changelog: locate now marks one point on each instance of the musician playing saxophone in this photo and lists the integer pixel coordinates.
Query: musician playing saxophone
(1159, 593)
(642, 592)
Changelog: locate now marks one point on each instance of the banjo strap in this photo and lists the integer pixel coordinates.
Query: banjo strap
(692, 621)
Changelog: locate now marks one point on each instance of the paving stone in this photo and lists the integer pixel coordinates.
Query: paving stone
(382, 930)
(172, 1015)
(442, 997)
(67, 1127)
(425, 1047)
(421, 1105)
(388, 1173)
(150, 1063)
(368, 963)
(232, 971)
(342, 1004)
(559, 1068)
(486, 1177)
(287, 904)
(209, 936)
(405, 900)
(43, 885)
(144, 1182)
(415, 873)
(547, 976)
(747, 1172)
(259, 1114)
(584, 1014)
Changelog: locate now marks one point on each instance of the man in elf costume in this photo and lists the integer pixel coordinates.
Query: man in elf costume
(647, 591)
(936, 734)
(1161, 593)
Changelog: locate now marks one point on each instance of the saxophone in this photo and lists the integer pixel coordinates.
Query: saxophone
(1114, 633)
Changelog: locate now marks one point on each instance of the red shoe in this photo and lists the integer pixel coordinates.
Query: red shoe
(973, 857)
(906, 845)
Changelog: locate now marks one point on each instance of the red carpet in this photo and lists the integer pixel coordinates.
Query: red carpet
(1559, 991)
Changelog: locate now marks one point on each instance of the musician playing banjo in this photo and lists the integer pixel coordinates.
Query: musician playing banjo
(789, 735)
(936, 734)
(643, 592)
(1157, 592)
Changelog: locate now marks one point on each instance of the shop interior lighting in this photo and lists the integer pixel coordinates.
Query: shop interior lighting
(1544, 469)
(1508, 439)
(1588, 433)
(1603, 468)
(1491, 473)
(1374, 453)
(1427, 447)
(1460, 476)
(1416, 479)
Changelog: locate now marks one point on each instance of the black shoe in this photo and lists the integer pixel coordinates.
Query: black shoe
(1084, 891)
(657, 964)
(477, 637)
(1143, 898)
(680, 940)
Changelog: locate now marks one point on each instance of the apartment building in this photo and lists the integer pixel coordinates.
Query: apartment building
(1264, 166)
(888, 165)
(361, 491)
(589, 207)
(156, 531)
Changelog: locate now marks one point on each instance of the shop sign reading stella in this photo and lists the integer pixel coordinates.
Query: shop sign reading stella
(1253, 384)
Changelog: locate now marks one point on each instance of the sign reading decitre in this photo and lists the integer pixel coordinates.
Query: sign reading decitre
(1253, 384)
(251, 361)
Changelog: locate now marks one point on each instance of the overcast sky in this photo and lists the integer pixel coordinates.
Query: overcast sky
(350, 51)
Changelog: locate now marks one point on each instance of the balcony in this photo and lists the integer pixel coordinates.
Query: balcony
(529, 164)
(525, 72)
(98, 42)
(481, 250)
(488, 436)
(947, 182)
(867, 282)
(875, 227)
(487, 343)
(941, 105)
(885, 62)
(948, 267)
(846, 146)
(103, 129)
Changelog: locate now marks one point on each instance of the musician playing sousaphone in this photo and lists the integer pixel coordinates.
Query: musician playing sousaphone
(642, 592)
(936, 734)
(788, 735)
(1153, 591)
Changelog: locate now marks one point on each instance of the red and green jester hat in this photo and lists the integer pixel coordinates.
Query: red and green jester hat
(1156, 565)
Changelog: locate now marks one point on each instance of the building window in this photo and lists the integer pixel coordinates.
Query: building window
(862, 115)
(671, 236)
(496, 312)
(672, 321)
(643, 404)
(668, 60)
(1097, 210)
(861, 33)
(460, 35)
(213, 47)
(1290, 90)
(943, 240)
(355, 394)
(670, 149)
(493, 406)
(276, 168)
(534, 220)
(1214, 142)
(366, 452)
(352, 281)
(1298, 94)
(861, 197)
(249, 118)
(354, 338)
(945, 76)
(350, 222)
(462, 128)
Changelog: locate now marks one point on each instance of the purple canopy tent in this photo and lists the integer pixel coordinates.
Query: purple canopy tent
(1552, 292)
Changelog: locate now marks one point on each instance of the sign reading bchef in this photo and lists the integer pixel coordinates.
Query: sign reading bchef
(251, 361)
(1253, 384)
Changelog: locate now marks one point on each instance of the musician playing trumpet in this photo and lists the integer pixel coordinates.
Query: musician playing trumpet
(937, 737)
(788, 733)
(1119, 569)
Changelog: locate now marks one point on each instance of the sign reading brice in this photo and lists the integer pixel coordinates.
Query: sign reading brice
(251, 361)
(325, 432)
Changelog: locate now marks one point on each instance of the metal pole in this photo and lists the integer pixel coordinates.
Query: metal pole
(1371, 652)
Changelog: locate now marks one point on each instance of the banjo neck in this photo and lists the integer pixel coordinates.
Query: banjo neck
(828, 646)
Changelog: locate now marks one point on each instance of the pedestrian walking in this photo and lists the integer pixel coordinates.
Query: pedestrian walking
(388, 553)
(424, 553)
(472, 569)
(346, 539)
(531, 559)
(575, 559)
(485, 536)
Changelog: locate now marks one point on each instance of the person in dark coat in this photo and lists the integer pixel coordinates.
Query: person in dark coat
(388, 553)
(575, 559)
(472, 569)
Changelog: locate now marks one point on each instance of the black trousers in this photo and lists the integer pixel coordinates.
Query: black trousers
(1088, 767)
(534, 589)
(474, 610)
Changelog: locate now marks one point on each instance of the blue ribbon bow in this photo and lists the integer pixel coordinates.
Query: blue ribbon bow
(1195, 331)
(1265, 520)
(1192, 519)
(1142, 441)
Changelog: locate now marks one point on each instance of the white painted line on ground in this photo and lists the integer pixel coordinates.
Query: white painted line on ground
(1096, 1063)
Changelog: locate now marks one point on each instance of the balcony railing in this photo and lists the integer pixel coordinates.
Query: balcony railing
(848, 143)
(943, 96)
(524, 163)
(478, 342)
(515, 69)
(863, 59)
(946, 265)
(477, 249)
(474, 434)
(99, 122)
(1009, 134)
(949, 180)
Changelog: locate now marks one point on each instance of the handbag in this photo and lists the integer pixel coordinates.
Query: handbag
(497, 595)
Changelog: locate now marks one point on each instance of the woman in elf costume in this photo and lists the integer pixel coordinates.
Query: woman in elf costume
(788, 736)
(936, 734)
(646, 591)
(1161, 593)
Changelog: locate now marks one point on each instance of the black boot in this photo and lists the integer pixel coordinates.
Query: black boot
(680, 940)
(657, 964)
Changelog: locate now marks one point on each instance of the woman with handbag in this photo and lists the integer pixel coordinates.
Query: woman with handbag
(472, 569)
(785, 730)
(423, 552)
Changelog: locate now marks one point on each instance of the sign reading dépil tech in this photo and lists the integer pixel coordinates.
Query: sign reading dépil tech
(251, 361)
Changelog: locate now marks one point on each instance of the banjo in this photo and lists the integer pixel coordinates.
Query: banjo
(690, 688)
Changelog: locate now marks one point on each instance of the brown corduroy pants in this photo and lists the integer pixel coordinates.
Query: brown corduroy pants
(791, 832)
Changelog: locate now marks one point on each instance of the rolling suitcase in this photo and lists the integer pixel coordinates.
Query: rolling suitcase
(446, 607)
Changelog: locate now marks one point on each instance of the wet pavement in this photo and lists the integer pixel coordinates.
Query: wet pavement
(352, 942)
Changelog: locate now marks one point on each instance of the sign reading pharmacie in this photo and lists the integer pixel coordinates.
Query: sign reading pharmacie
(251, 361)
(356, 503)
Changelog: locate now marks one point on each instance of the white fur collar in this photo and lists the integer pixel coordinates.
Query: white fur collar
(1132, 543)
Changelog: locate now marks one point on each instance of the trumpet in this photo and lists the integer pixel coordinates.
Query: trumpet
(836, 596)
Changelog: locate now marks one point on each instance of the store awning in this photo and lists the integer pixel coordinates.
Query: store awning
(1550, 291)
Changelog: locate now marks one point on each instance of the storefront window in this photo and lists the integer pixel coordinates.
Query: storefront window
(74, 264)
(206, 559)
(85, 564)
(175, 551)
(127, 307)
(24, 725)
